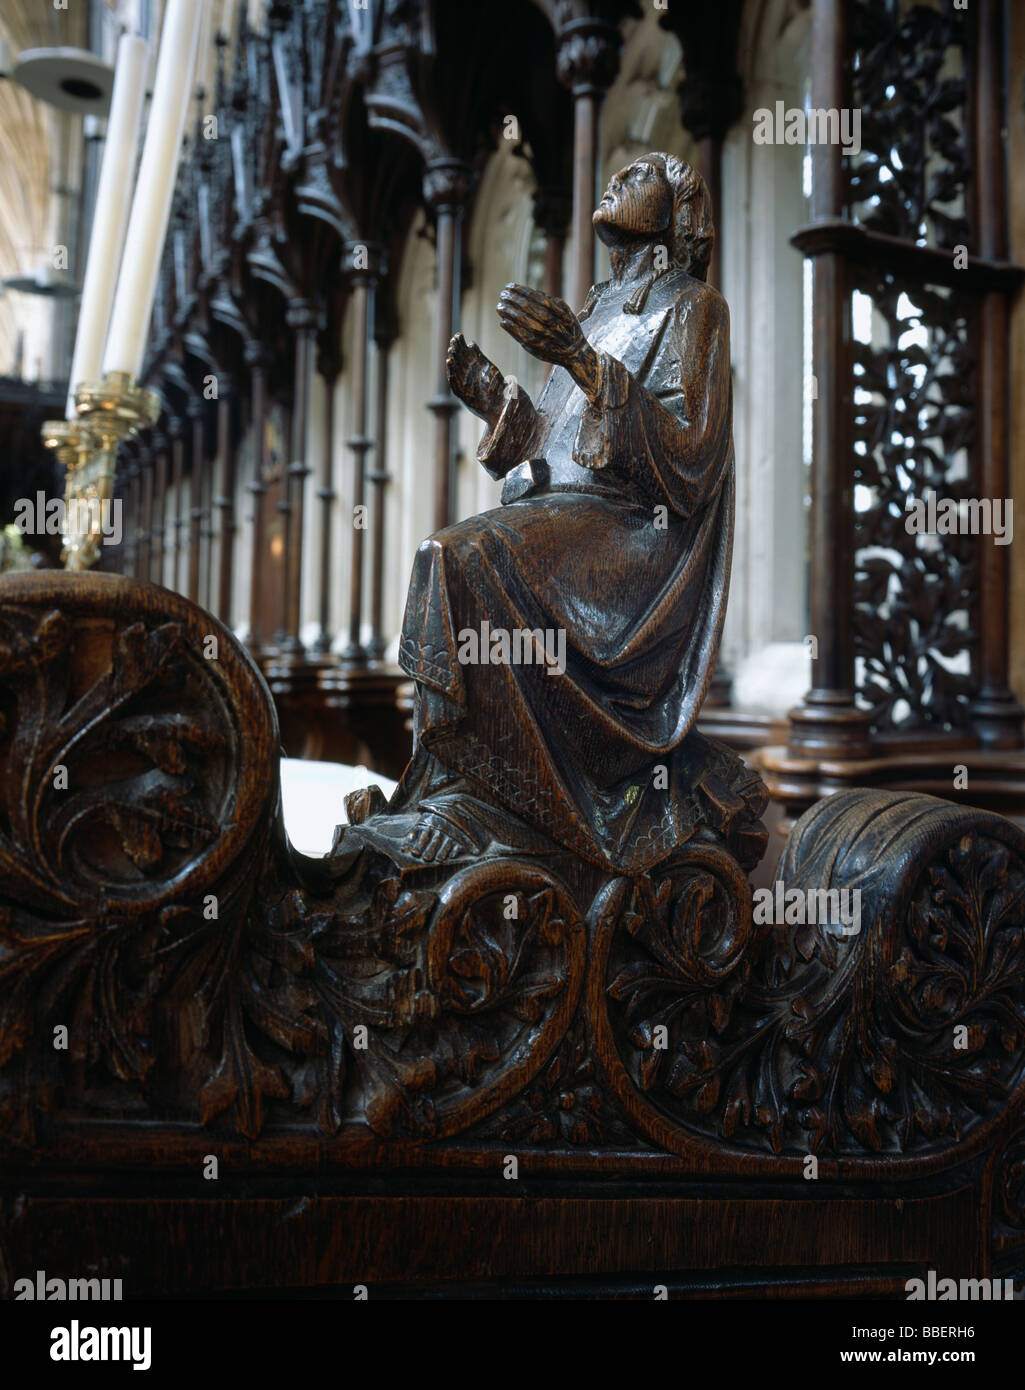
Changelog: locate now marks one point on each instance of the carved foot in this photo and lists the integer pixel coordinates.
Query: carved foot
(434, 840)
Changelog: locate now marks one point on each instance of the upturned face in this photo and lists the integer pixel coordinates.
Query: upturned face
(637, 204)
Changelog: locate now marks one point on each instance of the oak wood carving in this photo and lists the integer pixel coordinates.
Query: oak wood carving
(545, 944)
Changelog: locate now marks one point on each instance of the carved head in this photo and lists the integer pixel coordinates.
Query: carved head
(659, 198)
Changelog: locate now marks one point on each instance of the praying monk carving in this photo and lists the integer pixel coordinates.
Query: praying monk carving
(562, 644)
(547, 938)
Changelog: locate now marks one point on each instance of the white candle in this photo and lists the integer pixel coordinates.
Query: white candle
(151, 206)
(110, 218)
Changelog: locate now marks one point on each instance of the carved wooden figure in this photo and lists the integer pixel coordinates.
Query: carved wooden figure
(544, 948)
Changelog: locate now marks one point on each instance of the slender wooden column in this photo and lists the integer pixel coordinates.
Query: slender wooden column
(130, 524)
(224, 502)
(552, 209)
(329, 365)
(587, 61)
(160, 445)
(257, 488)
(145, 533)
(829, 723)
(302, 318)
(379, 478)
(206, 537)
(446, 191)
(996, 714)
(195, 413)
(206, 532)
(363, 283)
(711, 99)
(175, 429)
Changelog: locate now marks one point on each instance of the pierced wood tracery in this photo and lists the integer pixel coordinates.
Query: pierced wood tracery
(915, 596)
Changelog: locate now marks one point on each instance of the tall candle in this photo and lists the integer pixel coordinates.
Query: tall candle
(110, 218)
(151, 206)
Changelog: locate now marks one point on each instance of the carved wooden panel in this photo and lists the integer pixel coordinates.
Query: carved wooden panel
(915, 388)
(209, 976)
(910, 84)
(916, 595)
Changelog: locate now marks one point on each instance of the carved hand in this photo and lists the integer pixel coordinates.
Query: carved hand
(474, 379)
(548, 328)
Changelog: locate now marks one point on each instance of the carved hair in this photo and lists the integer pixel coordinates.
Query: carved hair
(692, 232)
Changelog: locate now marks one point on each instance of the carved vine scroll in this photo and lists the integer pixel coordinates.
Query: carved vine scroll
(208, 976)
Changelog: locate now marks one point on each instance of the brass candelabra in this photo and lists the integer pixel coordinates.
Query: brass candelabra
(109, 411)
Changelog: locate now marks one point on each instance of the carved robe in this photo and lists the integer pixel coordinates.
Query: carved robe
(616, 527)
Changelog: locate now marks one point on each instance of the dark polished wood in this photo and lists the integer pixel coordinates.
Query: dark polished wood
(197, 467)
(257, 488)
(235, 1039)
(359, 444)
(829, 721)
(587, 63)
(446, 190)
(161, 447)
(145, 543)
(928, 628)
(997, 715)
(539, 971)
(379, 478)
(176, 431)
(302, 319)
(224, 502)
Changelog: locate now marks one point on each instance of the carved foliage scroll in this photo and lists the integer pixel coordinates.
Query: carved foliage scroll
(207, 975)
(899, 1037)
(150, 906)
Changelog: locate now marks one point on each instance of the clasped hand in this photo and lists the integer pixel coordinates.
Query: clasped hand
(548, 329)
